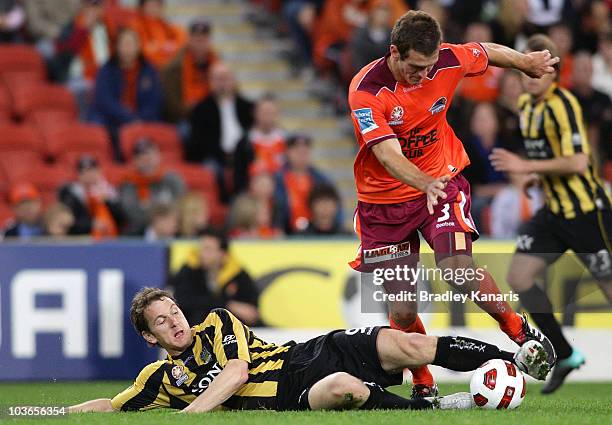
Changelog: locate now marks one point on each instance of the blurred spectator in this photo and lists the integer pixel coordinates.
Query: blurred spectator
(185, 79)
(83, 46)
(510, 89)
(485, 181)
(301, 16)
(545, 13)
(216, 279)
(25, 201)
(252, 218)
(12, 18)
(372, 40)
(510, 23)
(264, 145)
(596, 105)
(602, 65)
(58, 220)
(163, 223)
(147, 184)
(294, 183)
(160, 39)
(593, 19)
(481, 88)
(93, 201)
(46, 19)
(561, 35)
(511, 206)
(127, 87)
(324, 204)
(194, 215)
(218, 123)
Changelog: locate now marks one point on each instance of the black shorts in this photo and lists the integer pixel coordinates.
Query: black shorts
(352, 351)
(548, 236)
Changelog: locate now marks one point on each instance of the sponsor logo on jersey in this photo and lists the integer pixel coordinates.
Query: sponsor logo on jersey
(202, 384)
(412, 144)
(476, 52)
(365, 118)
(452, 168)
(385, 253)
(445, 224)
(438, 105)
(396, 116)
(229, 339)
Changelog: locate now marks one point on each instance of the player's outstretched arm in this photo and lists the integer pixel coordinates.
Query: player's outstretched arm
(233, 376)
(503, 160)
(534, 64)
(98, 405)
(390, 155)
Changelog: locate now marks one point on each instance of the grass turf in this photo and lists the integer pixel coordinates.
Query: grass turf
(575, 404)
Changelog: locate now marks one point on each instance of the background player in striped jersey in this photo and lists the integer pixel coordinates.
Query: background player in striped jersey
(577, 213)
(407, 170)
(220, 362)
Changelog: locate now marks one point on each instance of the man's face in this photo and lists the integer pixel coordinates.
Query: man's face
(128, 47)
(148, 161)
(167, 326)
(199, 44)
(266, 115)
(211, 254)
(28, 211)
(222, 81)
(415, 66)
(324, 212)
(537, 86)
(90, 177)
(298, 156)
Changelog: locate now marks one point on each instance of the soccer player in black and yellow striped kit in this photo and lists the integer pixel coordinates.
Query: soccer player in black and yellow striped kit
(577, 214)
(221, 363)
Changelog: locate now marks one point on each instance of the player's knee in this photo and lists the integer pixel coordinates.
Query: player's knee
(415, 347)
(520, 279)
(404, 319)
(347, 390)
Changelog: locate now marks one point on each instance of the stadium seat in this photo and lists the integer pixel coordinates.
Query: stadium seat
(46, 178)
(15, 137)
(608, 171)
(18, 162)
(78, 138)
(6, 104)
(46, 120)
(28, 98)
(114, 172)
(22, 57)
(163, 135)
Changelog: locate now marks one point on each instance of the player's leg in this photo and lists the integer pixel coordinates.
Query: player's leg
(341, 390)
(397, 350)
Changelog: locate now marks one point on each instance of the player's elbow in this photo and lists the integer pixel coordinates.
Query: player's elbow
(240, 371)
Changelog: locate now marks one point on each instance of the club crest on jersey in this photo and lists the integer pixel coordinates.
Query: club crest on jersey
(438, 105)
(205, 356)
(179, 375)
(396, 116)
(365, 118)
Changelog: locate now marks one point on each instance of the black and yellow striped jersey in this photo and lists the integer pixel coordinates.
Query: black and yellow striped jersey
(177, 381)
(553, 128)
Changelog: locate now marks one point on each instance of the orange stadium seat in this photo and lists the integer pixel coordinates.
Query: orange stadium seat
(114, 172)
(14, 137)
(47, 120)
(78, 138)
(6, 103)
(36, 96)
(163, 135)
(16, 162)
(119, 16)
(21, 57)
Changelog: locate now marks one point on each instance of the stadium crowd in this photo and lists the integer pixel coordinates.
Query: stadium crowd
(116, 122)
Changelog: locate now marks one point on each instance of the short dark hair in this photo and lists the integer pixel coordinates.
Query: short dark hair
(209, 232)
(417, 31)
(322, 191)
(140, 302)
(538, 42)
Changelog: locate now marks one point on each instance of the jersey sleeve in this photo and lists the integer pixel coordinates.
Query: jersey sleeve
(368, 115)
(473, 58)
(567, 115)
(144, 393)
(230, 340)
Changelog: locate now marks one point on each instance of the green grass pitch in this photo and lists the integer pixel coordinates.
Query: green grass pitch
(574, 404)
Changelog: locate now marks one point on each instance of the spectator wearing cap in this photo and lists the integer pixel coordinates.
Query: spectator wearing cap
(264, 145)
(185, 78)
(218, 123)
(161, 40)
(324, 205)
(25, 200)
(147, 184)
(294, 183)
(83, 46)
(163, 223)
(127, 87)
(93, 201)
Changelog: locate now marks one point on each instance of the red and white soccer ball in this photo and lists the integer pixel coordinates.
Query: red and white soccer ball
(498, 384)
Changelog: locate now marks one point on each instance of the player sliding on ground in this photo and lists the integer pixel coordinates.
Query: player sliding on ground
(408, 168)
(220, 362)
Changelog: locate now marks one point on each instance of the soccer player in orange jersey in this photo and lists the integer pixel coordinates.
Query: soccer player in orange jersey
(408, 167)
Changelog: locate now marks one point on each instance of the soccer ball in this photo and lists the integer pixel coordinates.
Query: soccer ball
(498, 384)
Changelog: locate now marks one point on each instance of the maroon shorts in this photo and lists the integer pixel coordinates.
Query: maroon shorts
(388, 232)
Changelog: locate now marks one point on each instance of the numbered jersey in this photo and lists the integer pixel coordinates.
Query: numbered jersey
(382, 109)
(177, 381)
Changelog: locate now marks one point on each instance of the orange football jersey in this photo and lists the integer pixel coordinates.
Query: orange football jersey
(382, 108)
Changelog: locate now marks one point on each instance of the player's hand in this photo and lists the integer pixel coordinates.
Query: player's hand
(504, 160)
(539, 63)
(531, 180)
(435, 190)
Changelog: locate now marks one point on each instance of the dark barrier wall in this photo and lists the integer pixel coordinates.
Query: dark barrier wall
(64, 309)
